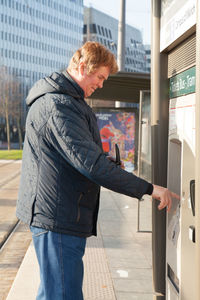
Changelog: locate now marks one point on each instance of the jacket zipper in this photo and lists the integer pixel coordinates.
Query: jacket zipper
(79, 213)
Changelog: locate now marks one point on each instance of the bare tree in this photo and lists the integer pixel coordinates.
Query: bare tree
(4, 94)
(10, 102)
(16, 110)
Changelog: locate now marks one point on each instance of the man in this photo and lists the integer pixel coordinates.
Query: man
(63, 168)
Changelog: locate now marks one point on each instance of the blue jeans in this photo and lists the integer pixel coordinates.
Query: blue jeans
(61, 266)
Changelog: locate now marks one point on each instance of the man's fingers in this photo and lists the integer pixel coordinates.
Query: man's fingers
(162, 204)
(169, 205)
(164, 196)
(165, 202)
(175, 196)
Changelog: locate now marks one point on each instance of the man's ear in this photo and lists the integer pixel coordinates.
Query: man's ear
(81, 68)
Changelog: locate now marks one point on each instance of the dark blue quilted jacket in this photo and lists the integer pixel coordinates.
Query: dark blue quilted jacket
(63, 162)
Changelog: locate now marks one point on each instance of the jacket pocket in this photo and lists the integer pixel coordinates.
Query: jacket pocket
(79, 210)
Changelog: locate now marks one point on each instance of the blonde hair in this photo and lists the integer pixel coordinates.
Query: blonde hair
(94, 55)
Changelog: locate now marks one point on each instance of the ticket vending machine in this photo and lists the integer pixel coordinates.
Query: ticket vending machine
(180, 229)
(175, 94)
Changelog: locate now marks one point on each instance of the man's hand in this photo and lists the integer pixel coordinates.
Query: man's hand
(164, 196)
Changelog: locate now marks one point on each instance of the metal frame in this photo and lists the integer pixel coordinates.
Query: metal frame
(197, 153)
(139, 157)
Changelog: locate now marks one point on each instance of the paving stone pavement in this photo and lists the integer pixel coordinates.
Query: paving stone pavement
(11, 257)
(9, 182)
(13, 251)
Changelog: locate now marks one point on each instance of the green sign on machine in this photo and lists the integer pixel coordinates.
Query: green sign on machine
(183, 83)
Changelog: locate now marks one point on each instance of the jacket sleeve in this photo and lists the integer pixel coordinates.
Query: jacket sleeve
(68, 131)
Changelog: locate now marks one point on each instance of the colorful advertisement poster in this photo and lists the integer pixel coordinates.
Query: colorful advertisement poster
(118, 128)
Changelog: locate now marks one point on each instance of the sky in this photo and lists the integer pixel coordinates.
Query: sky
(138, 13)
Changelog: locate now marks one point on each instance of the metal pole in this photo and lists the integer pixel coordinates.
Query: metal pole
(197, 155)
(155, 64)
(159, 129)
(121, 37)
(139, 154)
(88, 23)
(139, 133)
(155, 97)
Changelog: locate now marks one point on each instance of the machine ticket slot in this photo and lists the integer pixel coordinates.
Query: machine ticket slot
(192, 195)
(192, 199)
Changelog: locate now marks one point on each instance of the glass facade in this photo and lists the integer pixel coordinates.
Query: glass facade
(38, 37)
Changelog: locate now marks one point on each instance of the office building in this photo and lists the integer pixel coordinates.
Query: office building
(147, 49)
(38, 37)
(100, 27)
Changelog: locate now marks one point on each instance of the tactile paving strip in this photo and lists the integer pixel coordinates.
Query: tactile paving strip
(97, 283)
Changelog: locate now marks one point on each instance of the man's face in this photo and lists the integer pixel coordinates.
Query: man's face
(95, 80)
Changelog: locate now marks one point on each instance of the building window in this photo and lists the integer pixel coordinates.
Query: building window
(99, 29)
(106, 32)
(84, 29)
(102, 29)
(93, 28)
